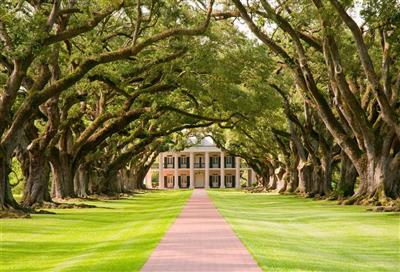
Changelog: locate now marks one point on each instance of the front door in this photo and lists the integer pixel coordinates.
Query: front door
(199, 180)
(170, 182)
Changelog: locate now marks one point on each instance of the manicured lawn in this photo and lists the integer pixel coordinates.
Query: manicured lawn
(119, 236)
(287, 233)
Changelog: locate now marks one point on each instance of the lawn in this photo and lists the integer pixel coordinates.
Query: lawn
(119, 235)
(288, 233)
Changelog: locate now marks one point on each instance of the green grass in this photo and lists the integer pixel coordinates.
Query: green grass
(118, 236)
(288, 233)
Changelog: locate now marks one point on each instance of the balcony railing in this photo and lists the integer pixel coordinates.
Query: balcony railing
(169, 165)
(199, 165)
(184, 165)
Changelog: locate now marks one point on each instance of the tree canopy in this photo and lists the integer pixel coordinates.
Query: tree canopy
(307, 92)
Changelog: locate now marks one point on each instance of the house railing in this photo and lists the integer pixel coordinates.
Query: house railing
(199, 165)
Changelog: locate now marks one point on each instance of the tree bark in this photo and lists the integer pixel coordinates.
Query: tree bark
(305, 177)
(326, 181)
(7, 201)
(377, 181)
(348, 175)
(282, 177)
(63, 176)
(36, 190)
(81, 181)
(272, 179)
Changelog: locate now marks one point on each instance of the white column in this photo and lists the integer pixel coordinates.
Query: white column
(148, 179)
(207, 171)
(222, 170)
(161, 171)
(237, 172)
(191, 169)
(176, 185)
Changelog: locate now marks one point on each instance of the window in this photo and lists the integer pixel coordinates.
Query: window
(184, 181)
(229, 181)
(198, 162)
(184, 161)
(214, 181)
(229, 162)
(169, 162)
(214, 162)
(170, 181)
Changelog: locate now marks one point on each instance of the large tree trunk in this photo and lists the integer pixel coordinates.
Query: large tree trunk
(132, 177)
(316, 177)
(265, 177)
(139, 176)
(126, 176)
(81, 181)
(348, 176)
(377, 182)
(326, 181)
(7, 201)
(63, 176)
(36, 190)
(283, 178)
(272, 179)
(293, 180)
(305, 177)
(93, 181)
(392, 181)
(110, 183)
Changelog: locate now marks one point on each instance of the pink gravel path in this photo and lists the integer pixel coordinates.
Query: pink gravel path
(200, 240)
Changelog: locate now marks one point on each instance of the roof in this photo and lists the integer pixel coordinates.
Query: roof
(205, 144)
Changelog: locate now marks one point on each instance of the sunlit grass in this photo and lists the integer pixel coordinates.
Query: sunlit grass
(288, 233)
(119, 235)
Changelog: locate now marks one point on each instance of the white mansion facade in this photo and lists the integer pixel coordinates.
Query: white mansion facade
(201, 166)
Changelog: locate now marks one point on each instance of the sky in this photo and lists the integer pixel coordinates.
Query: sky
(240, 24)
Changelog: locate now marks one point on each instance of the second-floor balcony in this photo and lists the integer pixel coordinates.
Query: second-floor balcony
(169, 165)
(184, 165)
(199, 165)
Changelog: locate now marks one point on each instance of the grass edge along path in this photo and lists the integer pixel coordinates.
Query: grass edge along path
(119, 235)
(289, 233)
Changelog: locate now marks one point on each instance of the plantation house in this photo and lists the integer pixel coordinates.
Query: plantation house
(201, 166)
